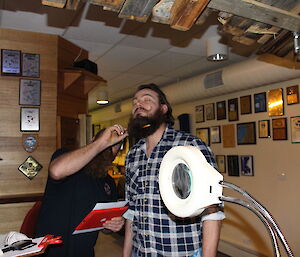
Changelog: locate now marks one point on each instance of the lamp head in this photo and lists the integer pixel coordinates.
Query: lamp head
(187, 182)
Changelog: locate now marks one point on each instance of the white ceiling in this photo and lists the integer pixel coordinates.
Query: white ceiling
(127, 53)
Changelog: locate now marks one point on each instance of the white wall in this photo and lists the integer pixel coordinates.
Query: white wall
(275, 183)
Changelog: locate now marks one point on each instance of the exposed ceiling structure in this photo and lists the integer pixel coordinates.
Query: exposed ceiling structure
(142, 41)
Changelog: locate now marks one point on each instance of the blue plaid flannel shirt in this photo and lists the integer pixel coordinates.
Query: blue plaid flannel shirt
(155, 233)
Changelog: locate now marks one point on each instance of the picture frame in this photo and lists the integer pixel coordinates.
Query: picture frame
(275, 102)
(264, 129)
(199, 113)
(221, 162)
(246, 133)
(30, 92)
(204, 135)
(210, 111)
(279, 129)
(30, 119)
(30, 167)
(215, 134)
(247, 165)
(260, 102)
(295, 129)
(30, 65)
(233, 167)
(245, 104)
(221, 110)
(292, 95)
(10, 62)
(233, 114)
(228, 135)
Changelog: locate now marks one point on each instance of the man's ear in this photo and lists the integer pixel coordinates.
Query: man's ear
(164, 108)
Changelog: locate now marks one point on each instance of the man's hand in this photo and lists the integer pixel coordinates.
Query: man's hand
(115, 224)
(113, 135)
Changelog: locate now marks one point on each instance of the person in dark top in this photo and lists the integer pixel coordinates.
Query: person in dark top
(77, 181)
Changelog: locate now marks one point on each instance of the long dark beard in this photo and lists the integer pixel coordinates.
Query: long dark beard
(98, 166)
(142, 127)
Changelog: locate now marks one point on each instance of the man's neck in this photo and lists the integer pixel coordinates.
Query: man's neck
(152, 140)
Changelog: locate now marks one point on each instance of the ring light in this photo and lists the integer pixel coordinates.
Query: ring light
(188, 184)
(181, 181)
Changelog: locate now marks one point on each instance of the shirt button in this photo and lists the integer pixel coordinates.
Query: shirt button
(146, 201)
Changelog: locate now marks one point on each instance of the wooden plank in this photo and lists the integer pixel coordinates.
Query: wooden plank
(184, 13)
(55, 3)
(72, 4)
(258, 11)
(138, 10)
(112, 5)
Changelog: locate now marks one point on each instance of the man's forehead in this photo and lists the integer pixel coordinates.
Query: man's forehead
(145, 92)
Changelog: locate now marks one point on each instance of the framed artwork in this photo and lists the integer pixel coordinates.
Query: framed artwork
(10, 62)
(245, 104)
(30, 65)
(246, 133)
(203, 134)
(215, 134)
(210, 111)
(221, 162)
(199, 113)
(260, 102)
(233, 165)
(247, 165)
(295, 129)
(264, 129)
(275, 102)
(292, 95)
(279, 127)
(30, 92)
(30, 119)
(233, 113)
(221, 110)
(228, 135)
(30, 167)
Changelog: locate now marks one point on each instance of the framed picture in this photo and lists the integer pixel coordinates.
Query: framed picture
(246, 133)
(275, 102)
(30, 92)
(199, 113)
(233, 165)
(221, 110)
(210, 111)
(233, 113)
(228, 135)
(10, 62)
(203, 134)
(245, 104)
(279, 129)
(30, 65)
(292, 95)
(295, 129)
(247, 165)
(215, 134)
(264, 129)
(221, 162)
(30, 119)
(260, 102)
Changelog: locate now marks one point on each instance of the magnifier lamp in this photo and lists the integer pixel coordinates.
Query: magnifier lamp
(188, 184)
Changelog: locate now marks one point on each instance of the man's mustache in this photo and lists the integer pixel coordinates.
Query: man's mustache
(140, 108)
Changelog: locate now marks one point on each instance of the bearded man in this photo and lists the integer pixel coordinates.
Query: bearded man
(150, 229)
(77, 181)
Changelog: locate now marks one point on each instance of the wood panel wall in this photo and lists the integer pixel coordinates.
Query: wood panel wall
(12, 182)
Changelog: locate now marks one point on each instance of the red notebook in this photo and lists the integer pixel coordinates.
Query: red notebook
(101, 213)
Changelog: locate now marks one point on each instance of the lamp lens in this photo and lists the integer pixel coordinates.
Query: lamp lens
(181, 180)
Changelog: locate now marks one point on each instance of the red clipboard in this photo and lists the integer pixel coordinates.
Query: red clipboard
(95, 219)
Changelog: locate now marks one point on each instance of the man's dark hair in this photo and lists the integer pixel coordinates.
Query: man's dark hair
(162, 100)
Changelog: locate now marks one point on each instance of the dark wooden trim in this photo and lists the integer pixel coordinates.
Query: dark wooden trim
(20, 199)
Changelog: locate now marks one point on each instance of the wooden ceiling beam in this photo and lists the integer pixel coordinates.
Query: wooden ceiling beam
(138, 10)
(55, 3)
(259, 12)
(72, 4)
(113, 5)
(184, 13)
